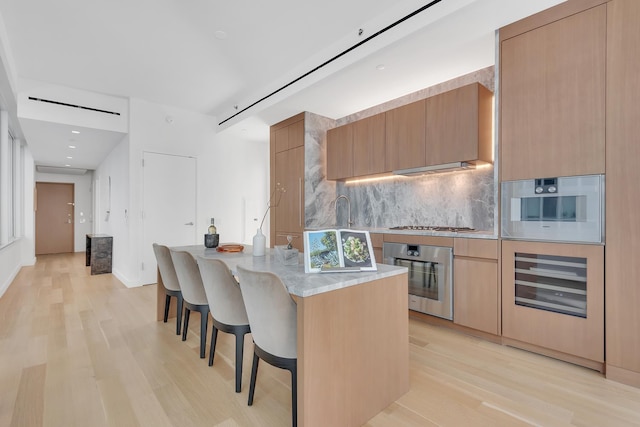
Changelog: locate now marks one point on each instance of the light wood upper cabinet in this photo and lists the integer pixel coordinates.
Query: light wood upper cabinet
(405, 136)
(455, 126)
(552, 95)
(340, 154)
(369, 146)
(289, 136)
(459, 124)
(357, 148)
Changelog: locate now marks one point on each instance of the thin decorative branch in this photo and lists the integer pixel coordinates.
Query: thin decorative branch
(276, 192)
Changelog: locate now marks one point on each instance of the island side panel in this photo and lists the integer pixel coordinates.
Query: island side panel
(353, 352)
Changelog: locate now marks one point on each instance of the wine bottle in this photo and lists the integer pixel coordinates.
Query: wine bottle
(212, 228)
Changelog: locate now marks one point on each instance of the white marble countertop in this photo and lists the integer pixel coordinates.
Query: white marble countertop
(295, 279)
(475, 234)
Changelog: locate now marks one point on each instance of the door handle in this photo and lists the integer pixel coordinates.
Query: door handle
(189, 223)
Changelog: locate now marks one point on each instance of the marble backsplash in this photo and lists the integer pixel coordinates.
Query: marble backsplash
(462, 199)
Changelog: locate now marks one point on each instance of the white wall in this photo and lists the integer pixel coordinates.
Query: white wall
(114, 172)
(234, 173)
(21, 251)
(156, 128)
(83, 201)
(29, 216)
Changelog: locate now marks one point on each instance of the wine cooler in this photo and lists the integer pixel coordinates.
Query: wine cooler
(552, 283)
(553, 298)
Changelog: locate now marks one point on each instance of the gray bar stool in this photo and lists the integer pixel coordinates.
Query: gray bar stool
(227, 308)
(193, 294)
(272, 316)
(170, 282)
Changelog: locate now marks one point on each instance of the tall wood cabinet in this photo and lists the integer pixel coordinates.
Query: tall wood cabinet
(581, 36)
(623, 193)
(287, 170)
(552, 92)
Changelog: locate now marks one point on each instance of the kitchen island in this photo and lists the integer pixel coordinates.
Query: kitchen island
(353, 337)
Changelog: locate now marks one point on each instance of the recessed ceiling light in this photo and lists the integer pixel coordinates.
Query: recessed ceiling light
(75, 131)
(380, 67)
(68, 166)
(72, 146)
(220, 35)
(69, 157)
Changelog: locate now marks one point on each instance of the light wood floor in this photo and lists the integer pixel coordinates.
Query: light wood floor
(81, 350)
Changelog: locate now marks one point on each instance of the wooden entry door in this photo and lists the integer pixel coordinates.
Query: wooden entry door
(54, 218)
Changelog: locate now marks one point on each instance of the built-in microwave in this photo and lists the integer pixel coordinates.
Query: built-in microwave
(562, 209)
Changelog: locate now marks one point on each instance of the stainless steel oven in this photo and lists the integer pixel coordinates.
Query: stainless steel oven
(564, 209)
(430, 276)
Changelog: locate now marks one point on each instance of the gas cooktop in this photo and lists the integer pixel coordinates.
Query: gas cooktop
(431, 228)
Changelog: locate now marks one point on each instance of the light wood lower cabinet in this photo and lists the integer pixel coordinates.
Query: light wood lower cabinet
(476, 297)
(553, 298)
(377, 240)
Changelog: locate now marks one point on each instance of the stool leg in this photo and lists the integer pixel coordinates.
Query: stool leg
(294, 395)
(185, 327)
(239, 351)
(167, 303)
(254, 373)
(214, 338)
(204, 318)
(179, 313)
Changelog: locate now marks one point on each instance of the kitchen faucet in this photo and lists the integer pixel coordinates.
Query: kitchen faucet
(342, 196)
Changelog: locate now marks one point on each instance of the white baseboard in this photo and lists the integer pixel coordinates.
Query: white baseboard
(10, 279)
(125, 280)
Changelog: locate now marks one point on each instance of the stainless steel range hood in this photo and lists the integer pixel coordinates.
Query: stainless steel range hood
(445, 167)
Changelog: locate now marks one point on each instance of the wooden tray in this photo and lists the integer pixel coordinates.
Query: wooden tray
(230, 248)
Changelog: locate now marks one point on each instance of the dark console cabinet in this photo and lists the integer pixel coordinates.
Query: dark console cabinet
(99, 253)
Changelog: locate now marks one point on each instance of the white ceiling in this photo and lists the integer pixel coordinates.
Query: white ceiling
(168, 52)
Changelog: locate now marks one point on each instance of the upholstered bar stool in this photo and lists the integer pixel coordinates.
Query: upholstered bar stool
(227, 308)
(272, 316)
(169, 281)
(193, 294)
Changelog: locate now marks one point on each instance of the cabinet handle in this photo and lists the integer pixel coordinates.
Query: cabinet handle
(300, 202)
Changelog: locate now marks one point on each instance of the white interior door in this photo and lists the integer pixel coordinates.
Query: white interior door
(169, 206)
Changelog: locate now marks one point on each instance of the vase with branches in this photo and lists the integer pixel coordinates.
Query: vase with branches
(259, 240)
(276, 195)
